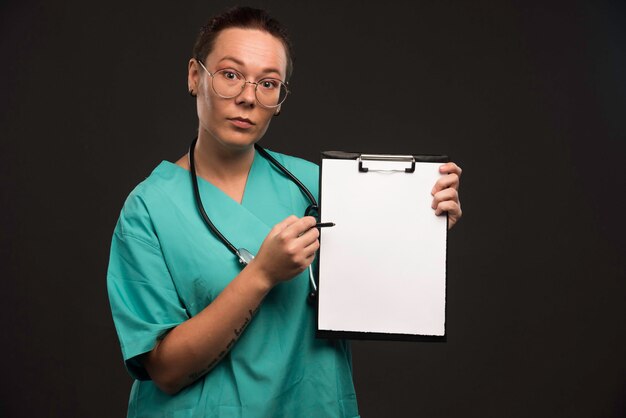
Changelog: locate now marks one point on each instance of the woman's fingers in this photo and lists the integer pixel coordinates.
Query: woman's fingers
(305, 244)
(447, 201)
(282, 225)
(445, 193)
(450, 168)
(453, 209)
(447, 181)
(449, 194)
(289, 248)
(306, 237)
(299, 227)
(311, 249)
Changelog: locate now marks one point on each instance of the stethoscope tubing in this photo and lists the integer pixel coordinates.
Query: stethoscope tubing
(238, 252)
(198, 199)
(288, 173)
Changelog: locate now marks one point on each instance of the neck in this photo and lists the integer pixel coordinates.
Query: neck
(225, 168)
(217, 163)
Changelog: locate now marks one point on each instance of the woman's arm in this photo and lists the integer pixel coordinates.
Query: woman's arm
(194, 347)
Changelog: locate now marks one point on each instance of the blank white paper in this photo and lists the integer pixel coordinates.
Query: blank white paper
(383, 265)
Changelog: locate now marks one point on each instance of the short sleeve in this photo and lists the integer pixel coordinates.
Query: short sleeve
(144, 301)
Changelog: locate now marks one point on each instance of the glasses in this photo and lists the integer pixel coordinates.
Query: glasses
(228, 83)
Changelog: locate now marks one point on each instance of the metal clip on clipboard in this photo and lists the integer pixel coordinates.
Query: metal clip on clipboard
(382, 157)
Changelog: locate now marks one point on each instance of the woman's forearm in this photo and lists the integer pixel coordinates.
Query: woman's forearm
(194, 347)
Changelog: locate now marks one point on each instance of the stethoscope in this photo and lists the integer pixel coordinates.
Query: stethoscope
(244, 256)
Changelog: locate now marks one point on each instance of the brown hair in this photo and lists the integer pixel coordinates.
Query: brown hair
(241, 17)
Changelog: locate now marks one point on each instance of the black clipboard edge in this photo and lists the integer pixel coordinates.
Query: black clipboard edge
(419, 158)
(378, 336)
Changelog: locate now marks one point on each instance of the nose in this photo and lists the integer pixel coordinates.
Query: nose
(247, 95)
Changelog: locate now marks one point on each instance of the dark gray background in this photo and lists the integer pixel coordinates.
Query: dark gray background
(528, 97)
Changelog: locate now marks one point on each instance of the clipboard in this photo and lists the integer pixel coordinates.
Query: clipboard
(382, 267)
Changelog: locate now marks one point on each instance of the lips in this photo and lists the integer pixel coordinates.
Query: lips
(241, 122)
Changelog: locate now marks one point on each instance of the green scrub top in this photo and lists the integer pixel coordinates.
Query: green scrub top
(166, 266)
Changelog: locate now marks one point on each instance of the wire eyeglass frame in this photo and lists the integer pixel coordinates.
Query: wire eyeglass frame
(282, 84)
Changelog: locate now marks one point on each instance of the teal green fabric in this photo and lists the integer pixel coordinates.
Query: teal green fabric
(165, 267)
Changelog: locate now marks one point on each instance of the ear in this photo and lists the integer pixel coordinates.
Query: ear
(193, 76)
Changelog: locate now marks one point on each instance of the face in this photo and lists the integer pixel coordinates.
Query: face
(238, 122)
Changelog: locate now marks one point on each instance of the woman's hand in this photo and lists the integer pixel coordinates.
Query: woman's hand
(288, 249)
(446, 193)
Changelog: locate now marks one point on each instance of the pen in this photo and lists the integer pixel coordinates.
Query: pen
(324, 224)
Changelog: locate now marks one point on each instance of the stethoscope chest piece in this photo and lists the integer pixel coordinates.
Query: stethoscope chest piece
(245, 256)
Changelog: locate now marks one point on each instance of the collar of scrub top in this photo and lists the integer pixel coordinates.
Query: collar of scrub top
(244, 256)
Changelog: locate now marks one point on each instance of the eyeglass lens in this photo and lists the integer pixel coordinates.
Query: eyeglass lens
(269, 92)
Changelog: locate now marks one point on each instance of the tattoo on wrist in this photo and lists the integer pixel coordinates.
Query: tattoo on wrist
(195, 375)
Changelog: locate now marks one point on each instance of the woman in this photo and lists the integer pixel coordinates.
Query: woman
(202, 336)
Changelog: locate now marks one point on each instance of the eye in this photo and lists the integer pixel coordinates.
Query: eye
(269, 84)
(230, 75)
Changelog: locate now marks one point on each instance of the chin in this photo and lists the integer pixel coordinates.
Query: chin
(239, 144)
(241, 141)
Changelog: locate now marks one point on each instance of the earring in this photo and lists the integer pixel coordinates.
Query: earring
(277, 113)
(192, 93)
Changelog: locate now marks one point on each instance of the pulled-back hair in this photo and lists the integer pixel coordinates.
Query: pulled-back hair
(245, 18)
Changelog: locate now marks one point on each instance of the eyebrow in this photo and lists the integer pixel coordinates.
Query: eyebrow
(239, 62)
